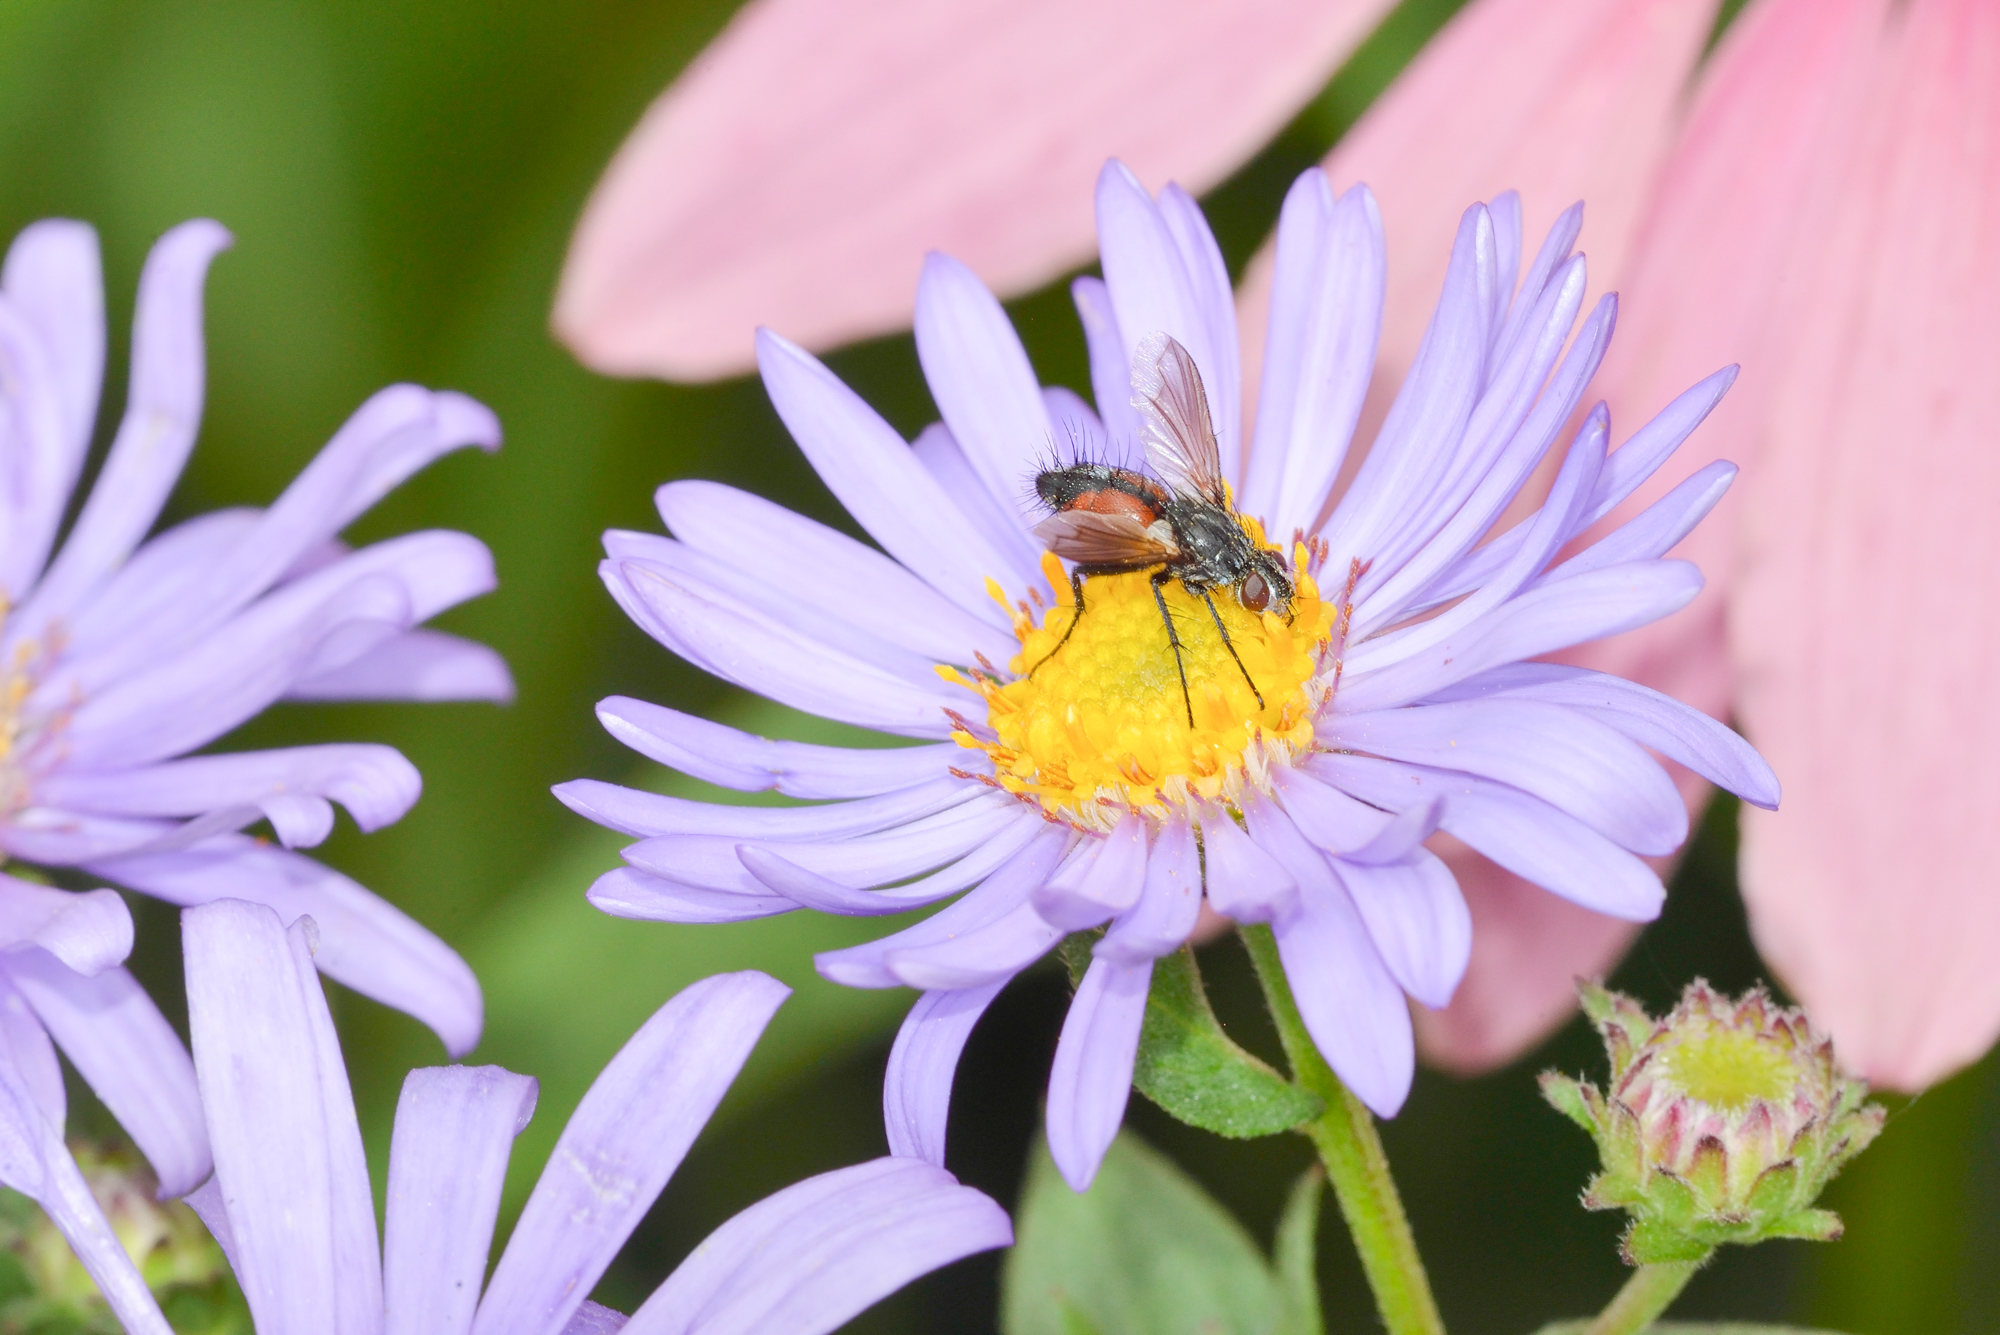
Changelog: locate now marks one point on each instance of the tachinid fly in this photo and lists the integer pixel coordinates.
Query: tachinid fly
(1112, 520)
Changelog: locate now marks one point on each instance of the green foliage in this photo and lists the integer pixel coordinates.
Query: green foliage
(1147, 1252)
(1196, 1072)
(1690, 1328)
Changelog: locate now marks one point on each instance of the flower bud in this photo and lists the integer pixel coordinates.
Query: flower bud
(1721, 1123)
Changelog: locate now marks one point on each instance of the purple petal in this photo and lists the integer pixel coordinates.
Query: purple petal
(1566, 758)
(771, 544)
(878, 479)
(1656, 530)
(1524, 834)
(1400, 838)
(729, 758)
(1539, 621)
(1209, 279)
(1091, 1080)
(130, 1056)
(53, 280)
(1417, 919)
(425, 665)
(364, 942)
(626, 893)
(1110, 371)
(1007, 890)
(771, 867)
(1350, 1003)
(762, 655)
(35, 1162)
(1243, 881)
(89, 932)
(916, 1093)
(622, 1144)
(1328, 817)
(1002, 521)
(455, 1128)
(1651, 445)
(984, 955)
(807, 1260)
(650, 815)
(162, 411)
(1555, 251)
(24, 1041)
(375, 783)
(1169, 902)
(979, 376)
(1100, 880)
(288, 1153)
(1327, 295)
(1653, 720)
(38, 468)
(595, 1319)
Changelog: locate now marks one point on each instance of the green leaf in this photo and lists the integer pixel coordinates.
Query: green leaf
(1692, 1328)
(1296, 1251)
(1198, 1074)
(1144, 1252)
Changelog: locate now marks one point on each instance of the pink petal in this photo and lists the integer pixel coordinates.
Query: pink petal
(1865, 619)
(796, 174)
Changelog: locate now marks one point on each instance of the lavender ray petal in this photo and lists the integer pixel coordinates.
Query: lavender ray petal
(130, 1056)
(25, 1042)
(1208, 277)
(878, 479)
(1564, 757)
(422, 665)
(1005, 891)
(980, 378)
(1504, 209)
(1110, 372)
(375, 783)
(729, 758)
(1101, 879)
(1091, 1080)
(1554, 253)
(1654, 532)
(53, 279)
(595, 1319)
(1327, 295)
(1242, 880)
(162, 572)
(1327, 817)
(364, 941)
(626, 893)
(811, 1257)
(1350, 1003)
(162, 411)
(1169, 902)
(1641, 713)
(916, 1092)
(1628, 466)
(989, 954)
(89, 931)
(813, 891)
(1524, 834)
(288, 1154)
(1002, 520)
(455, 1128)
(773, 545)
(622, 1144)
(1417, 919)
(35, 484)
(648, 815)
(1535, 622)
(775, 661)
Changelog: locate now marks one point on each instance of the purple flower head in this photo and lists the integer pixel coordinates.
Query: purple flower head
(291, 1205)
(1082, 770)
(120, 654)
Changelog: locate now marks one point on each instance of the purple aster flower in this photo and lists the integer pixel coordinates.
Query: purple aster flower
(291, 1205)
(120, 654)
(1083, 770)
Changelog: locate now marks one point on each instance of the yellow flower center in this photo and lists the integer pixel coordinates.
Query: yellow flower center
(1729, 1069)
(1100, 726)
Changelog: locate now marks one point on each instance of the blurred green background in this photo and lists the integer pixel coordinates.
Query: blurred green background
(402, 178)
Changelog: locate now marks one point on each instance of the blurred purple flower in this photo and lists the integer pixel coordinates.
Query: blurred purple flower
(1409, 707)
(291, 1205)
(119, 655)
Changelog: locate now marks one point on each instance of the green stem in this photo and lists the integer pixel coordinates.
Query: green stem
(1347, 1143)
(1645, 1296)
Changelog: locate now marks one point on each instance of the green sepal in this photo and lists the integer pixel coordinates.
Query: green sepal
(1776, 1188)
(1652, 1241)
(1075, 954)
(1296, 1252)
(1197, 1074)
(1566, 1097)
(1811, 1225)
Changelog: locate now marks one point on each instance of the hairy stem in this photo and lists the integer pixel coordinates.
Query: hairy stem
(1347, 1143)
(1644, 1297)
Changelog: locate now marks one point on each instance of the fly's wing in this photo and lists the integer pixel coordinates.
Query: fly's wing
(1092, 539)
(1180, 434)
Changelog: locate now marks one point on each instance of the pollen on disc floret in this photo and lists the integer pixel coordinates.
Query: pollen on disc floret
(1100, 727)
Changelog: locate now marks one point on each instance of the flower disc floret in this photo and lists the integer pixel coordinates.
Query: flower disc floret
(1099, 726)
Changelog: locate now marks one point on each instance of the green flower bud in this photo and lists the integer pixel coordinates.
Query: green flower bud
(1721, 1123)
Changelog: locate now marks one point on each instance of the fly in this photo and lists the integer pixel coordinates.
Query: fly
(1110, 521)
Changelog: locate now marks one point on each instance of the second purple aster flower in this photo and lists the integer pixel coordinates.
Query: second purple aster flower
(1284, 758)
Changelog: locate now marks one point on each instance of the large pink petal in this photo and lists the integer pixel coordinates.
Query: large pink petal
(798, 171)
(1866, 617)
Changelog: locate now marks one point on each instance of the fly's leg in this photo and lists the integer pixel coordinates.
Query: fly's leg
(1076, 587)
(1160, 580)
(1209, 598)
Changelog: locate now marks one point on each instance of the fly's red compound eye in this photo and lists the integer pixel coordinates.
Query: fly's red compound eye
(1255, 595)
